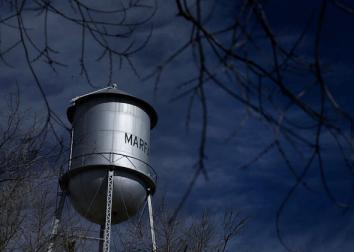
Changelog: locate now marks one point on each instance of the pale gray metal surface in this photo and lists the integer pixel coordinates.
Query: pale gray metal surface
(87, 193)
(116, 93)
(105, 128)
(111, 131)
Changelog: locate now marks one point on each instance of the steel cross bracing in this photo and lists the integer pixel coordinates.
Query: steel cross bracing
(107, 230)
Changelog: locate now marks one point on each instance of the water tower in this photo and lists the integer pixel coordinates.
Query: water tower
(109, 176)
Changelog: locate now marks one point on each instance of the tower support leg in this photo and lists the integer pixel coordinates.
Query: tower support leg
(56, 222)
(100, 245)
(107, 227)
(151, 218)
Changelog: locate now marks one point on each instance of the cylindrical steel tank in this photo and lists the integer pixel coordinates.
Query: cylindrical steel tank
(110, 130)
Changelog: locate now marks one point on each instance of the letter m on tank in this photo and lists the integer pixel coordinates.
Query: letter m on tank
(137, 142)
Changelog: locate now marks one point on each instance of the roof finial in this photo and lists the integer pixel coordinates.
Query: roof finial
(114, 85)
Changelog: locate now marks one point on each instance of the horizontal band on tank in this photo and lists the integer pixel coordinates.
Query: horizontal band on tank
(112, 162)
(148, 180)
(115, 93)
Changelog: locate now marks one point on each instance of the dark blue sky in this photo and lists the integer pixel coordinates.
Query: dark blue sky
(309, 221)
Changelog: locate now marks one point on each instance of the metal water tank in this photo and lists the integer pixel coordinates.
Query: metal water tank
(110, 131)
